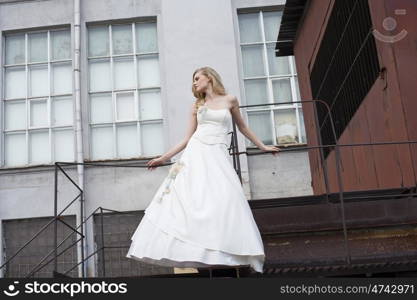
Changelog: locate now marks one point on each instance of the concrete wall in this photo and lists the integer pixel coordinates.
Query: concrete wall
(190, 34)
(285, 176)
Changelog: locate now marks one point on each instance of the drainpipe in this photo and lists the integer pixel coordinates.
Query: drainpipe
(81, 246)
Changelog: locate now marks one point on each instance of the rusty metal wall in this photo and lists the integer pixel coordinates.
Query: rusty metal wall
(385, 115)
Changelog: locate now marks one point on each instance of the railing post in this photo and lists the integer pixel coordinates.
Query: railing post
(323, 160)
(340, 184)
(236, 152)
(83, 234)
(55, 218)
(103, 263)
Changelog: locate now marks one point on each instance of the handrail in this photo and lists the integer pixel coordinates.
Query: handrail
(335, 146)
(233, 150)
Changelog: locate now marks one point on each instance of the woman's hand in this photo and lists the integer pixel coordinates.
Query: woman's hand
(273, 149)
(154, 163)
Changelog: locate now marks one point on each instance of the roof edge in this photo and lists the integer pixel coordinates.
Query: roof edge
(292, 19)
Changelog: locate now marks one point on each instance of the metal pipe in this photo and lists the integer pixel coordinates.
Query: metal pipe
(83, 248)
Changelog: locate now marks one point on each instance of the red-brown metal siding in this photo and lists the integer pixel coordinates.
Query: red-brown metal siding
(304, 50)
(385, 115)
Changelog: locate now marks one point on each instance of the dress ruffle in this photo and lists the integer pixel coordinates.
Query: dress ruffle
(160, 248)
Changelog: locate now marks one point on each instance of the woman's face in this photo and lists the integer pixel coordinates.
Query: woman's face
(201, 82)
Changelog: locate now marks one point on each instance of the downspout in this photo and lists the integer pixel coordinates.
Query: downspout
(82, 246)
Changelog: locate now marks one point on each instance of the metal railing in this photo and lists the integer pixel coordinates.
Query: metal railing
(79, 230)
(233, 151)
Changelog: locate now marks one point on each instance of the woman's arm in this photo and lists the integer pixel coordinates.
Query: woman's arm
(192, 125)
(245, 130)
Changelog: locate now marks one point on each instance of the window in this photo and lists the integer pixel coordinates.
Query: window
(346, 67)
(37, 98)
(269, 79)
(124, 91)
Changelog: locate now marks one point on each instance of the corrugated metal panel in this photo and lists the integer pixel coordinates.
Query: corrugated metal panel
(291, 19)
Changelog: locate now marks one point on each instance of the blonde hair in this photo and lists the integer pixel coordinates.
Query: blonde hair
(216, 81)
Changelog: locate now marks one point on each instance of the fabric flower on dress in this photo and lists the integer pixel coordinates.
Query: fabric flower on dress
(173, 172)
(202, 110)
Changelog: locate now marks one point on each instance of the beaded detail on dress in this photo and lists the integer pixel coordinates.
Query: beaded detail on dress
(173, 172)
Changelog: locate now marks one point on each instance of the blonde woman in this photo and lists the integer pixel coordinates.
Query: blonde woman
(199, 217)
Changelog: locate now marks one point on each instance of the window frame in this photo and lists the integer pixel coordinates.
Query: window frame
(28, 99)
(115, 123)
(292, 76)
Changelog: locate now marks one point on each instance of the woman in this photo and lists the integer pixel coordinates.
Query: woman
(199, 217)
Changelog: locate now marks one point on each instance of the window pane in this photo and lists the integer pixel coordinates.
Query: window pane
(62, 79)
(249, 28)
(102, 142)
(101, 108)
(15, 49)
(253, 62)
(286, 126)
(122, 39)
(152, 139)
(38, 49)
(64, 145)
(39, 147)
(62, 111)
(150, 105)
(277, 65)
(38, 113)
(148, 71)
(15, 149)
(127, 141)
(282, 90)
(98, 41)
(256, 91)
(146, 37)
(39, 84)
(15, 115)
(100, 79)
(297, 89)
(61, 44)
(125, 103)
(15, 83)
(124, 73)
(272, 21)
(302, 126)
(260, 123)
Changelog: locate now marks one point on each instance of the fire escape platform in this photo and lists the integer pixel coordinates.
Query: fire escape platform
(303, 236)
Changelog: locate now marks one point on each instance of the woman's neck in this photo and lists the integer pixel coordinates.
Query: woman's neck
(210, 95)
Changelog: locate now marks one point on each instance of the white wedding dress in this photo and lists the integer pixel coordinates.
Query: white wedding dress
(199, 216)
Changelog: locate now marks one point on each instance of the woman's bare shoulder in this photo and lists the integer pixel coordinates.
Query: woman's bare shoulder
(231, 100)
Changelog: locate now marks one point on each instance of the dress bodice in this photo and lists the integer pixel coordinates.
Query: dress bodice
(213, 125)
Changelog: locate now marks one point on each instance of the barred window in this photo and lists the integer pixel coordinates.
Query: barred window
(124, 91)
(37, 98)
(346, 67)
(269, 79)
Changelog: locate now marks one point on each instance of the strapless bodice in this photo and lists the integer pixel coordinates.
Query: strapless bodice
(213, 126)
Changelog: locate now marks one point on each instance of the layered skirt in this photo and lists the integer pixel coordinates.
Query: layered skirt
(199, 216)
